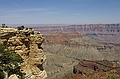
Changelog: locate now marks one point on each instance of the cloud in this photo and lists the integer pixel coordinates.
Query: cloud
(78, 14)
(33, 9)
(51, 12)
(74, 6)
(16, 5)
(10, 16)
(21, 10)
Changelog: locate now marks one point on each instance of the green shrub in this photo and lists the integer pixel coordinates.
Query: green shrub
(111, 77)
(20, 27)
(9, 62)
(4, 26)
(2, 48)
(2, 75)
(32, 32)
(26, 28)
(30, 28)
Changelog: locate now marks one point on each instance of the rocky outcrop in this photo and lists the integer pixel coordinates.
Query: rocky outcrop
(13, 77)
(91, 67)
(27, 44)
(95, 69)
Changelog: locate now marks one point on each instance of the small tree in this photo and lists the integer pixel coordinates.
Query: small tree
(30, 28)
(20, 27)
(6, 26)
(26, 29)
(3, 25)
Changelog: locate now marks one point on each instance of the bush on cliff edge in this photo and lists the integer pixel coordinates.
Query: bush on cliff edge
(10, 63)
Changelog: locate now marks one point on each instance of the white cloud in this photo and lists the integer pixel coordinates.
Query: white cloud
(12, 11)
(16, 5)
(78, 14)
(34, 9)
(10, 16)
(51, 12)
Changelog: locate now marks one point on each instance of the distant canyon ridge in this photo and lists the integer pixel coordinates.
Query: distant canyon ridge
(106, 32)
(87, 28)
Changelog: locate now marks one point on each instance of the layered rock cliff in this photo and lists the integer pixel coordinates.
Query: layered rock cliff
(85, 28)
(27, 44)
(106, 32)
(90, 67)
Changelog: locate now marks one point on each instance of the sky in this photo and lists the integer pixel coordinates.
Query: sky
(59, 11)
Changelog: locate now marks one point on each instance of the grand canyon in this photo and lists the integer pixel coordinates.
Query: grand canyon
(59, 39)
(89, 51)
(66, 46)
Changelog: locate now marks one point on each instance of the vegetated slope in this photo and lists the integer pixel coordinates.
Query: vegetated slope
(57, 66)
(66, 49)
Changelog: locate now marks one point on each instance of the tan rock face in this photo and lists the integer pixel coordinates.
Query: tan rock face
(13, 77)
(28, 45)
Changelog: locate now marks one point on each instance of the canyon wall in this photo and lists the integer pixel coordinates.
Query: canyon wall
(106, 32)
(85, 28)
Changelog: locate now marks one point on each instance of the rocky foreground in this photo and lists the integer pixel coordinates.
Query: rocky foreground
(27, 44)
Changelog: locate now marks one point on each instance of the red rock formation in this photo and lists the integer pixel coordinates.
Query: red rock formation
(99, 69)
(61, 38)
